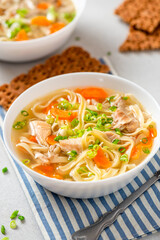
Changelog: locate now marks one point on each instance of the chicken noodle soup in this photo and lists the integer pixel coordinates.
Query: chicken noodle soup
(83, 134)
(28, 19)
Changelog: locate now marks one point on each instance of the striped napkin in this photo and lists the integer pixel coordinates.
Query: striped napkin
(58, 217)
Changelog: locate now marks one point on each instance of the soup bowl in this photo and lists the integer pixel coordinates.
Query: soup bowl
(82, 189)
(22, 51)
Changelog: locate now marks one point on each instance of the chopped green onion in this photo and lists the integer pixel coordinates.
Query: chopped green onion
(90, 146)
(122, 149)
(116, 141)
(97, 141)
(13, 224)
(150, 126)
(146, 150)
(51, 14)
(144, 140)
(124, 158)
(99, 106)
(91, 153)
(19, 125)
(14, 214)
(109, 120)
(69, 16)
(95, 147)
(80, 132)
(22, 12)
(56, 119)
(4, 170)
(74, 122)
(60, 138)
(92, 112)
(21, 218)
(117, 130)
(65, 105)
(77, 38)
(72, 155)
(110, 99)
(69, 113)
(14, 32)
(3, 230)
(10, 21)
(50, 119)
(89, 129)
(26, 161)
(83, 170)
(5, 238)
(75, 106)
(24, 113)
(90, 174)
(108, 53)
(113, 108)
(124, 98)
(105, 147)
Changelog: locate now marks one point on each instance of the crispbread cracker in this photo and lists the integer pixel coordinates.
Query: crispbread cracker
(140, 14)
(138, 41)
(73, 59)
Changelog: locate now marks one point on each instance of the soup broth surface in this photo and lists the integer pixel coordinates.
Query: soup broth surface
(83, 134)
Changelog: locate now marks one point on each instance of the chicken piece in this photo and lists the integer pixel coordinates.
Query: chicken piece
(41, 130)
(71, 144)
(41, 158)
(124, 118)
(111, 136)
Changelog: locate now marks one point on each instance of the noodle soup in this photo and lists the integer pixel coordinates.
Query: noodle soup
(83, 134)
(24, 20)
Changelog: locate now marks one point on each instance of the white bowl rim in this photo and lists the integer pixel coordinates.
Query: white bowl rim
(141, 165)
(48, 36)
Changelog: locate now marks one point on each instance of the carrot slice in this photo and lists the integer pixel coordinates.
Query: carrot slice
(43, 5)
(40, 21)
(56, 27)
(62, 114)
(47, 170)
(59, 3)
(21, 35)
(46, 110)
(152, 132)
(101, 160)
(50, 139)
(136, 152)
(33, 139)
(93, 92)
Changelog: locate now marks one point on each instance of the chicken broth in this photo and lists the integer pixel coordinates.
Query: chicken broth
(29, 19)
(83, 134)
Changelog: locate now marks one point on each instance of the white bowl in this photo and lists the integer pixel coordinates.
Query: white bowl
(82, 189)
(37, 48)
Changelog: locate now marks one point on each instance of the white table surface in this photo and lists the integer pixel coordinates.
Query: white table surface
(100, 31)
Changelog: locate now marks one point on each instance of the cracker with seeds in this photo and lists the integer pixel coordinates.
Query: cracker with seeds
(139, 41)
(73, 59)
(140, 14)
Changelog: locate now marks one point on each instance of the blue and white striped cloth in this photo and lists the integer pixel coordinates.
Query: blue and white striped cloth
(58, 217)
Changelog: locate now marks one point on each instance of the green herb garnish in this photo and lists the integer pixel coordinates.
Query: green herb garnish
(99, 106)
(5, 238)
(124, 98)
(69, 16)
(14, 214)
(77, 38)
(21, 218)
(113, 108)
(122, 149)
(19, 125)
(26, 161)
(89, 129)
(91, 153)
(65, 105)
(74, 122)
(109, 99)
(144, 140)
(60, 138)
(124, 158)
(146, 150)
(4, 170)
(72, 155)
(117, 130)
(116, 141)
(13, 224)
(50, 119)
(22, 12)
(24, 113)
(90, 146)
(3, 230)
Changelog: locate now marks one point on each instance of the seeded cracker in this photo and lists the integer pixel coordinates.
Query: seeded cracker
(73, 59)
(139, 41)
(140, 14)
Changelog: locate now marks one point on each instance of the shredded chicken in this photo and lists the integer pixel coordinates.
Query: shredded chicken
(41, 130)
(71, 144)
(124, 118)
(111, 136)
